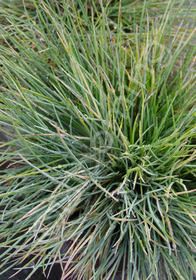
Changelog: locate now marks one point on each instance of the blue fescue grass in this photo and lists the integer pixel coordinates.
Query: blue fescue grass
(99, 99)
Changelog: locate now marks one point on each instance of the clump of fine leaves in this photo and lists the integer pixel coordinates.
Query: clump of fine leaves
(97, 100)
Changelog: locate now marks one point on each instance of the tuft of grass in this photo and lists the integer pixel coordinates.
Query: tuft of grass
(97, 99)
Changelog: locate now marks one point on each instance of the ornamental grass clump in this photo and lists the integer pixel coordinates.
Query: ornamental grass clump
(97, 100)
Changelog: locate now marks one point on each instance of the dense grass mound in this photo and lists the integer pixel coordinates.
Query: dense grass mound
(97, 99)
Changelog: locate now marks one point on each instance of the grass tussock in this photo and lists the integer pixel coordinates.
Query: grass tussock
(97, 99)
